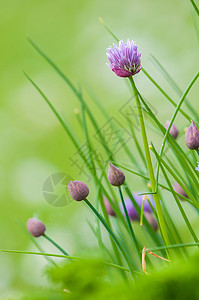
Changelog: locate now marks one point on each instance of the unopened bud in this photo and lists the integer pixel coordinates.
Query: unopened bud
(115, 176)
(192, 137)
(179, 190)
(109, 208)
(151, 220)
(78, 190)
(173, 130)
(35, 227)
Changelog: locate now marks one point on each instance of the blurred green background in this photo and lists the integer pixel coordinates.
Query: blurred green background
(33, 144)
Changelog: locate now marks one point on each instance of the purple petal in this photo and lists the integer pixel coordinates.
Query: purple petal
(121, 73)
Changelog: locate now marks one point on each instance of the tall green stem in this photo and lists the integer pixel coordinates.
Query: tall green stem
(113, 236)
(132, 234)
(56, 245)
(150, 167)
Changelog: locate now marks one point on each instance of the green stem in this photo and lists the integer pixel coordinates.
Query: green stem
(175, 246)
(132, 234)
(113, 236)
(173, 118)
(177, 200)
(195, 7)
(56, 245)
(150, 167)
(65, 256)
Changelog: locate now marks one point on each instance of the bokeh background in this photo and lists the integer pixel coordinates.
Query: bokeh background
(33, 144)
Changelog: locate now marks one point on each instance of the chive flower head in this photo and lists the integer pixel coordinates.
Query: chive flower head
(124, 59)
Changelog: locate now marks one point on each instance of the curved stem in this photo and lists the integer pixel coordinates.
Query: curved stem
(150, 167)
(56, 245)
(65, 256)
(132, 234)
(173, 118)
(113, 236)
(186, 219)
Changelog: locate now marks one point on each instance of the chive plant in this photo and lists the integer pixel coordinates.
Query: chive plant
(133, 225)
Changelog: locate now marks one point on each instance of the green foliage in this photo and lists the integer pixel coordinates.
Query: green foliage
(82, 275)
(87, 279)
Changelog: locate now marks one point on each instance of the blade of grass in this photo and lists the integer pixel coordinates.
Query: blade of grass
(180, 155)
(174, 85)
(111, 33)
(113, 236)
(147, 178)
(131, 231)
(63, 256)
(175, 246)
(179, 181)
(165, 94)
(195, 6)
(152, 233)
(174, 116)
(73, 88)
(176, 198)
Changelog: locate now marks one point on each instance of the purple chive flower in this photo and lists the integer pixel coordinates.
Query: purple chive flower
(197, 168)
(133, 215)
(125, 59)
(173, 130)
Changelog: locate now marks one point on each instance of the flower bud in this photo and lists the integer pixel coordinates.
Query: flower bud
(78, 190)
(151, 220)
(192, 137)
(173, 130)
(109, 208)
(178, 189)
(35, 227)
(115, 176)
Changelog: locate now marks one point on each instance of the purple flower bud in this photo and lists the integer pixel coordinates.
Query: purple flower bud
(178, 189)
(35, 227)
(133, 215)
(192, 137)
(151, 220)
(173, 130)
(197, 168)
(78, 190)
(115, 176)
(109, 208)
(125, 59)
